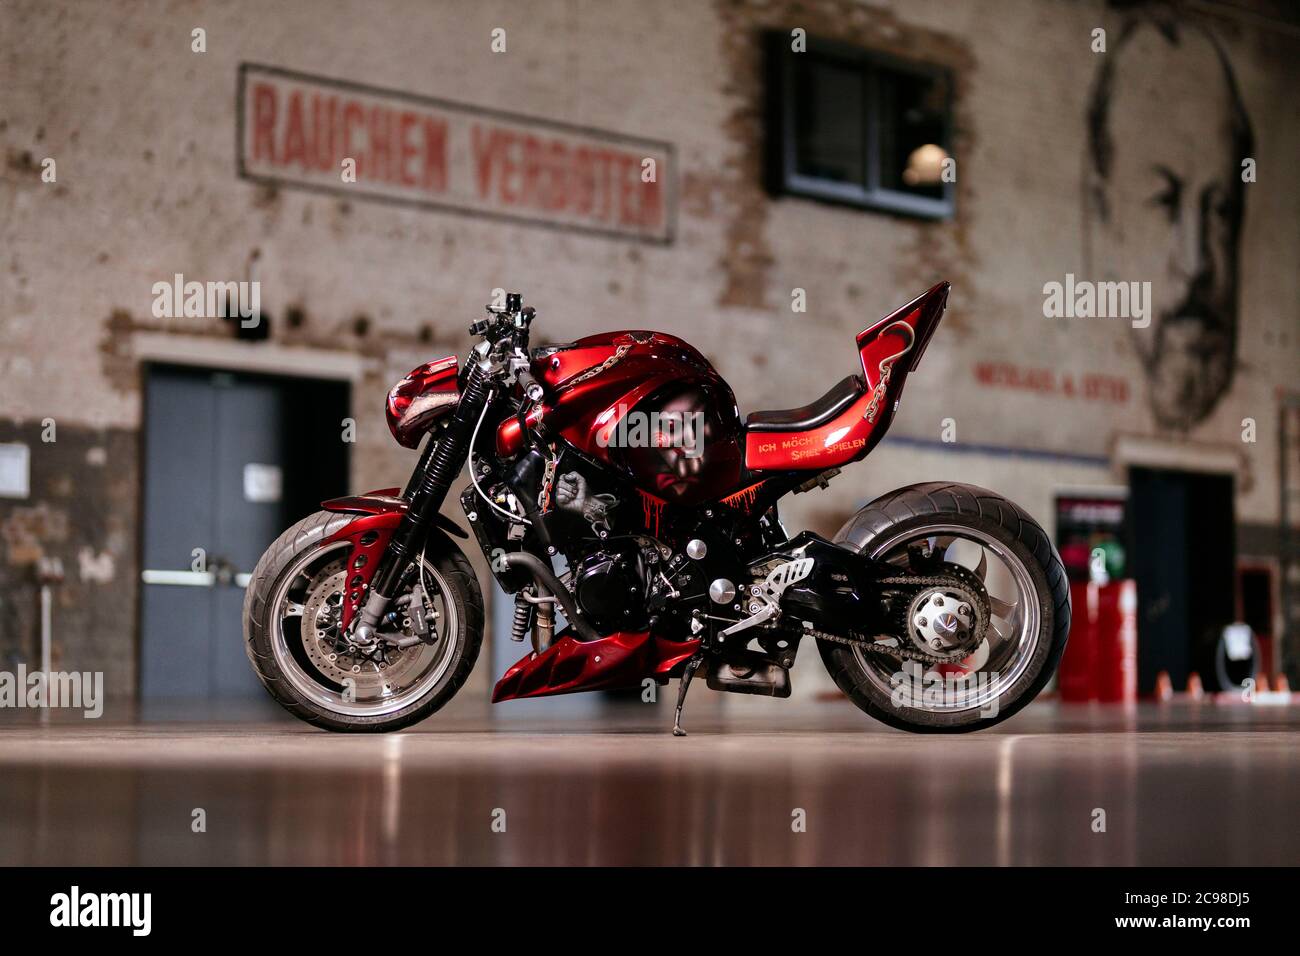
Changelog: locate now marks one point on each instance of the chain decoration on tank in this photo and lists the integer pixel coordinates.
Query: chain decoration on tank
(548, 481)
(886, 370)
(613, 360)
(603, 366)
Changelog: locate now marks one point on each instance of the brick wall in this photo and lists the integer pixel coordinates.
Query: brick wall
(143, 133)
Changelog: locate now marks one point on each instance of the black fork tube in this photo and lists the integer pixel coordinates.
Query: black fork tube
(421, 466)
(426, 495)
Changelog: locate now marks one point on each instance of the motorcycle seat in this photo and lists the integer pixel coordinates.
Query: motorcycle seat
(841, 395)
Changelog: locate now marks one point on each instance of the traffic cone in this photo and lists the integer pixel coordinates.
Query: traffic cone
(1194, 688)
(1164, 687)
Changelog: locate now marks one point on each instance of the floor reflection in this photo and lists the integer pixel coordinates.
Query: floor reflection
(1207, 785)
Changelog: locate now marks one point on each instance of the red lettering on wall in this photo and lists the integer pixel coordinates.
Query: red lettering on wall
(484, 149)
(435, 155)
(379, 161)
(1046, 381)
(354, 117)
(295, 150)
(300, 130)
(407, 126)
(264, 122)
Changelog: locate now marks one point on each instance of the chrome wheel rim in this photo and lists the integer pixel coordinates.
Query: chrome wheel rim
(302, 620)
(1009, 643)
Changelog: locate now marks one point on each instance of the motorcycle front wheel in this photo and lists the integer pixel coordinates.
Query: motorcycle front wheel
(1006, 564)
(292, 633)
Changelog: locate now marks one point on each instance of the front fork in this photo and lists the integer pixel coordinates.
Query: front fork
(425, 493)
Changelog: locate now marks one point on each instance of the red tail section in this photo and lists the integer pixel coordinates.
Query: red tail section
(890, 349)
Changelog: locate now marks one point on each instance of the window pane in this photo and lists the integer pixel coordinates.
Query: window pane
(829, 141)
(912, 111)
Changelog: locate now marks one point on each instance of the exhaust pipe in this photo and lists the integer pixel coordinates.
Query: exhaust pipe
(550, 588)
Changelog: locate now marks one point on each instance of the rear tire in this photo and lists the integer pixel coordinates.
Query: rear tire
(1008, 529)
(459, 589)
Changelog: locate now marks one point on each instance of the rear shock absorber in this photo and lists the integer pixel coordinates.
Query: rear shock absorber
(535, 611)
(523, 619)
(426, 498)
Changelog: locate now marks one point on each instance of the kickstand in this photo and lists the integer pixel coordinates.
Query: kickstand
(691, 667)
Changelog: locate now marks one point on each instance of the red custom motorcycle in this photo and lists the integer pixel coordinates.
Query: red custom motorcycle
(938, 607)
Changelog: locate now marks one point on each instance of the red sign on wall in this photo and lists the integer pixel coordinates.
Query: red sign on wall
(301, 130)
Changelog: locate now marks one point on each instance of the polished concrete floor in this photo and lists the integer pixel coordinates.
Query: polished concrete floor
(1178, 784)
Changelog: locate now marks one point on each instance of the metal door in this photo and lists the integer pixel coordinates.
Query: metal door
(223, 477)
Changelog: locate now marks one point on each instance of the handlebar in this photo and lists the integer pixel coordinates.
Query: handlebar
(505, 335)
(511, 322)
(532, 388)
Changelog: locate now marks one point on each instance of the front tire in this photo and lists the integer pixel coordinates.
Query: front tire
(981, 531)
(288, 611)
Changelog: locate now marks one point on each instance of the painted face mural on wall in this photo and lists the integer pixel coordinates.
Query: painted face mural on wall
(1168, 208)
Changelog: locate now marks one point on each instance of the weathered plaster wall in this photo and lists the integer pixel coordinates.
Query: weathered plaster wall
(142, 130)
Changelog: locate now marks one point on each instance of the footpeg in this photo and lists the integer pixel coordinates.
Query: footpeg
(765, 599)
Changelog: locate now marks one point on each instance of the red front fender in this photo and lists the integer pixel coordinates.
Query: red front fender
(378, 514)
(383, 501)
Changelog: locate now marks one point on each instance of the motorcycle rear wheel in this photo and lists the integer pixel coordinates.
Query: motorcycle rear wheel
(290, 618)
(1029, 598)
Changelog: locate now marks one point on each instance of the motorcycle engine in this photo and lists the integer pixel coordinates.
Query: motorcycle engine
(610, 587)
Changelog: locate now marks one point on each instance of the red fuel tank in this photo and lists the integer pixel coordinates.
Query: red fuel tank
(645, 402)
